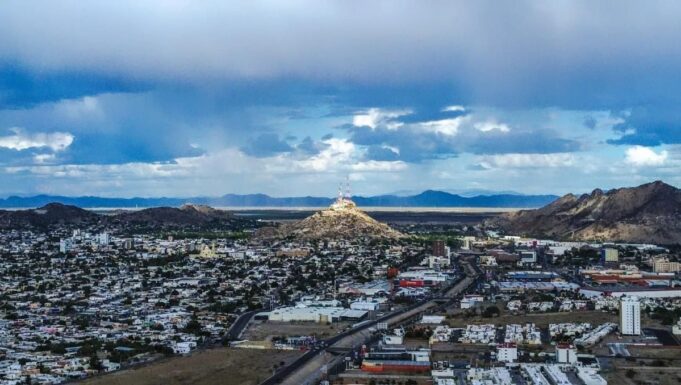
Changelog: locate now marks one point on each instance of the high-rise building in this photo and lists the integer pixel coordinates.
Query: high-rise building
(630, 316)
(439, 248)
(65, 245)
(104, 238)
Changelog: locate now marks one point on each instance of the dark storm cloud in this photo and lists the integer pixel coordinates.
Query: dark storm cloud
(578, 53)
(22, 88)
(310, 147)
(590, 122)
(650, 126)
(265, 145)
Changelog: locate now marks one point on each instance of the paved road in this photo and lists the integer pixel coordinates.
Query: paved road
(240, 324)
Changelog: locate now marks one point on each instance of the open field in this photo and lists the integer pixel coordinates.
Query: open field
(259, 330)
(222, 366)
(635, 374)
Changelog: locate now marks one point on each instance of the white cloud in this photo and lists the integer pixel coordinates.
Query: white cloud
(527, 160)
(374, 117)
(641, 156)
(449, 127)
(491, 125)
(382, 166)
(44, 158)
(454, 108)
(56, 141)
(338, 152)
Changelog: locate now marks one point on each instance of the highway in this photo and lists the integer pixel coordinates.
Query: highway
(308, 369)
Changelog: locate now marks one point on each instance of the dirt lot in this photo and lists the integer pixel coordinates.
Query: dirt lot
(635, 375)
(258, 330)
(222, 366)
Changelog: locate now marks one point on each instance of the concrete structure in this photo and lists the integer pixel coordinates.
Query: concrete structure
(507, 352)
(566, 354)
(610, 256)
(315, 314)
(467, 241)
(527, 257)
(630, 316)
(438, 248)
(438, 262)
(676, 329)
(65, 245)
(364, 305)
(471, 300)
(664, 265)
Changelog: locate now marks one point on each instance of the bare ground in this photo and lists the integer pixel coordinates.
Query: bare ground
(258, 331)
(222, 366)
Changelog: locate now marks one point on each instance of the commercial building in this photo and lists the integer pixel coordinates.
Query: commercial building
(566, 354)
(507, 352)
(439, 248)
(315, 314)
(527, 257)
(630, 316)
(664, 265)
(466, 242)
(610, 256)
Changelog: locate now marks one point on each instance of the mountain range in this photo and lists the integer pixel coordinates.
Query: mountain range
(429, 198)
(57, 213)
(650, 213)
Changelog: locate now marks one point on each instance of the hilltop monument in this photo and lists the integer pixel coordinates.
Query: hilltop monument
(342, 220)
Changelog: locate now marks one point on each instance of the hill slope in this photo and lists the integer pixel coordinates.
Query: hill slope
(185, 215)
(650, 213)
(50, 214)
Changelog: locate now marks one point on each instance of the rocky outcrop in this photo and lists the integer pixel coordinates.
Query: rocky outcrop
(650, 213)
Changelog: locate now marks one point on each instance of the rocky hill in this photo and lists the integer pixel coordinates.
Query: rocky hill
(186, 215)
(50, 214)
(334, 223)
(650, 213)
(57, 214)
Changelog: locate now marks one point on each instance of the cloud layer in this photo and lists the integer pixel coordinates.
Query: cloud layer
(161, 97)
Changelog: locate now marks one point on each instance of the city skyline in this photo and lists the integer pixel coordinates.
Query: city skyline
(202, 99)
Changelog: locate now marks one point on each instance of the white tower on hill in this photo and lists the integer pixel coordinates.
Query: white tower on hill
(343, 201)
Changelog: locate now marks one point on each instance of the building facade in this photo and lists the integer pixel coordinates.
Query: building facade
(630, 316)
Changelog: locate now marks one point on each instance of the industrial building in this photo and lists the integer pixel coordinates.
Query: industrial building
(315, 314)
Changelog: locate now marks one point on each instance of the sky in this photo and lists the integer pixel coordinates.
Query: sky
(289, 98)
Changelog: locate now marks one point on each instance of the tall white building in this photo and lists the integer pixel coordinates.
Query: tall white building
(104, 238)
(566, 354)
(630, 316)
